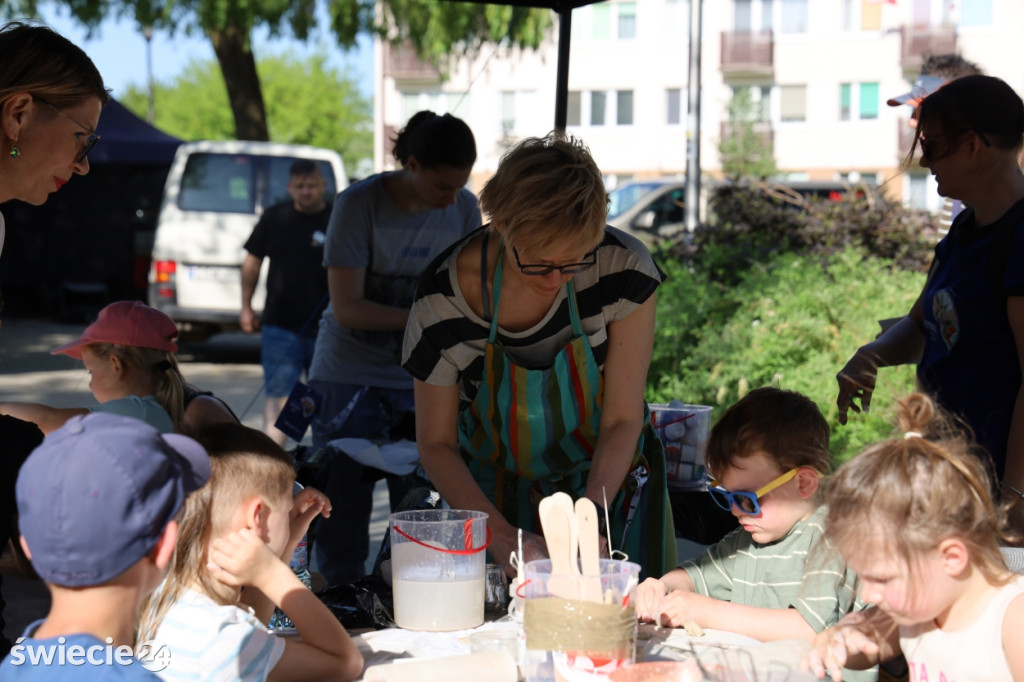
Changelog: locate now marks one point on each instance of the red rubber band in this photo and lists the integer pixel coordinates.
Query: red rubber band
(461, 552)
(520, 588)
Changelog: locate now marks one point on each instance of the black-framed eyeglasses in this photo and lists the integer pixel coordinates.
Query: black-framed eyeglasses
(90, 141)
(928, 150)
(539, 269)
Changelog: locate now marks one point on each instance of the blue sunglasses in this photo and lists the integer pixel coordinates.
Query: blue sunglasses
(748, 502)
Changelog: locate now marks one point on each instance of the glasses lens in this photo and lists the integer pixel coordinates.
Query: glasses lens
(535, 269)
(747, 502)
(720, 497)
(576, 268)
(90, 142)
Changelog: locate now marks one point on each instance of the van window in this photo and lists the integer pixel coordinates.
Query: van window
(280, 172)
(229, 183)
(219, 182)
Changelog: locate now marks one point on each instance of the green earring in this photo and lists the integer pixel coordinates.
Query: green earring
(14, 151)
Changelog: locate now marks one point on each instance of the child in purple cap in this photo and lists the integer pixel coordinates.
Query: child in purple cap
(98, 504)
(129, 353)
(239, 532)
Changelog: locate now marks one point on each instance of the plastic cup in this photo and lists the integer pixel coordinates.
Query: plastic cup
(437, 568)
(683, 430)
(574, 631)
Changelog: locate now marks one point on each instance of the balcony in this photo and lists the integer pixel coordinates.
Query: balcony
(747, 53)
(403, 64)
(917, 42)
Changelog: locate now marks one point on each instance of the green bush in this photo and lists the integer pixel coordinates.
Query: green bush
(790, 319)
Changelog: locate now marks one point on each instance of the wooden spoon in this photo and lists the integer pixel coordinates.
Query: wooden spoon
(590, 553)
(557, 533)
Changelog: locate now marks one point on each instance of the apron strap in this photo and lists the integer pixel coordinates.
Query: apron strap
(484, 296)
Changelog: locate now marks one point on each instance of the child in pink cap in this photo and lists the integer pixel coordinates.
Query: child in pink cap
(129, 353)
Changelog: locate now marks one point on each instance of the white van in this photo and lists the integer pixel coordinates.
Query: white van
(215, 193)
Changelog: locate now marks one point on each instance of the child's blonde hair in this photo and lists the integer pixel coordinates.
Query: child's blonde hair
(919, 489)
(168, 385)
(244, 463)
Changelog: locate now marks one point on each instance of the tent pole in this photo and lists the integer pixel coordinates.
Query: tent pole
(562, 79)
(693, 122)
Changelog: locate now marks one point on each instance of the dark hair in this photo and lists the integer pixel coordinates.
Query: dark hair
(436, 141)
(303, 167)
(949, 65)
(785, 425)
(983, 104)
(38, 60)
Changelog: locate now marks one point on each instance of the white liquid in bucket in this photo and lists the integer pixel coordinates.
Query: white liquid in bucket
(438, 606)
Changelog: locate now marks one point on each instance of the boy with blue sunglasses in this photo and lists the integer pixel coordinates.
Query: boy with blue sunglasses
(770, 578)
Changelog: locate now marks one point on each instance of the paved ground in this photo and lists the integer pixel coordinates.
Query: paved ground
(227, 365)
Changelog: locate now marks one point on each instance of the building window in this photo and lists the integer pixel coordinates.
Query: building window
(794, 16)
(793, 103)
(844, 101)
(917, 194)
(572, 114)
(760, 102)
(508, 112)
(455, 103)
(976, 13)
(626, 20)
(597, 108)
(518, 111)
(601, 21)
(862, 15)
(624, 107)
(868, 101)
(674, 103)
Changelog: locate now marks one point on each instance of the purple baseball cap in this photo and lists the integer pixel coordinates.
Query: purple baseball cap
(96, 495)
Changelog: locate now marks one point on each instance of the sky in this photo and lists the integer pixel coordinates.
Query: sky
(119, 52)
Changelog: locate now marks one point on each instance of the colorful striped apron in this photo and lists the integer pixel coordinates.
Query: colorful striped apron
(529, 433)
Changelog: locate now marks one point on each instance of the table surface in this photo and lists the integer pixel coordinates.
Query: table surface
(779, 660)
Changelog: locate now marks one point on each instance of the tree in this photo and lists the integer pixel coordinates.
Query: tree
(436, 28)
(744, 149)
(308, 102)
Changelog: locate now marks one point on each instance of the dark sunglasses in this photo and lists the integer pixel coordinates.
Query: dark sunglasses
(539, 269)
(928, 148)
(90, 140)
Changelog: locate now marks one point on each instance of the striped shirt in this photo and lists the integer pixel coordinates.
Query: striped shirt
(445, 340)
(792, 572)
(210, 641)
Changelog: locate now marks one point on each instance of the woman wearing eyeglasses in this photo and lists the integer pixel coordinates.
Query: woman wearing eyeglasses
(50, 100)
(965, 332)
(529, 343)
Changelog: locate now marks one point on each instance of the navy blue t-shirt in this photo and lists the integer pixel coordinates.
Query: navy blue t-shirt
(970, 361)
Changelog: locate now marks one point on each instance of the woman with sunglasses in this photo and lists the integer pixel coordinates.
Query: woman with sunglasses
(529, 343)
(50, 100)
(965, 332)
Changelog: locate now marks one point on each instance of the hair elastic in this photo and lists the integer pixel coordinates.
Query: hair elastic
(911, 434)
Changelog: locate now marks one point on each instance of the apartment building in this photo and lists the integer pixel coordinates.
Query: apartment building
(819, 71)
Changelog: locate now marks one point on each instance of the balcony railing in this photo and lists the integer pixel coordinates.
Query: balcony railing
(917, 42)
(402, 63)
(747, 52)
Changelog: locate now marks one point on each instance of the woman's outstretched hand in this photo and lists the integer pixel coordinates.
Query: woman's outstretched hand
(856, 382)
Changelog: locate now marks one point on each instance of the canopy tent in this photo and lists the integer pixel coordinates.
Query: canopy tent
(128, 139)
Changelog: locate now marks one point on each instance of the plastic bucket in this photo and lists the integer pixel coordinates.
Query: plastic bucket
(570, 638)
(683, 430)
(437, 568)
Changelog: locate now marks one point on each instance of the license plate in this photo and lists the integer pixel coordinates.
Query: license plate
(214, 273)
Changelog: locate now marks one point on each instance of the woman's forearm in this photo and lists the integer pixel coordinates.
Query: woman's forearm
(901, 344)
(613, 455)
(45, 417)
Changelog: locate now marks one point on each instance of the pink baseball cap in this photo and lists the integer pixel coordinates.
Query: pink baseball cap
(127, 323)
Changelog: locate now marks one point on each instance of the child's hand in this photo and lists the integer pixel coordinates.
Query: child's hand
(648, 597)
(241, 558)
(306, 505)
(679, 606)
(833, 647)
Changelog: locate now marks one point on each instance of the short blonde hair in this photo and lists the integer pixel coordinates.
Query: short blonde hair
(547, 192)
(243, 462)
(915, 491)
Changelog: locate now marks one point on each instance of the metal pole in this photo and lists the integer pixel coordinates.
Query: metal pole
(693, 121)
(562, 79)
(147, 32)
